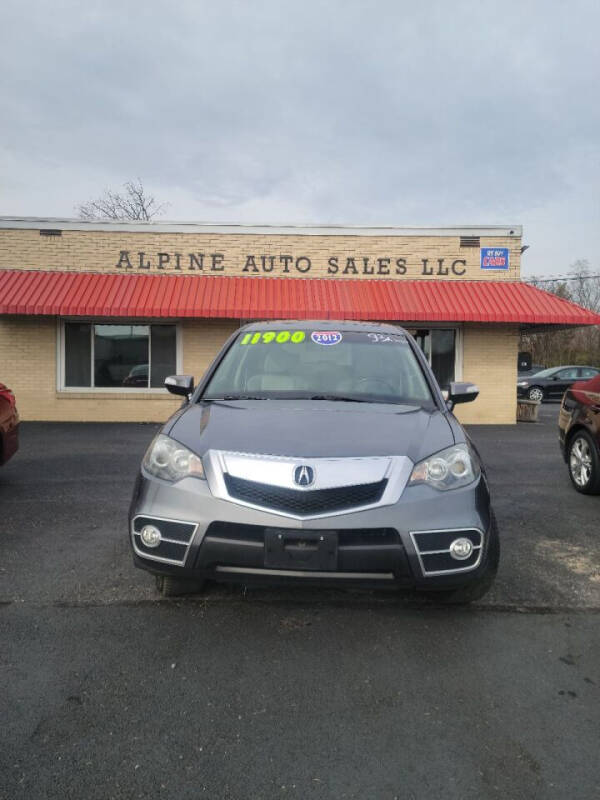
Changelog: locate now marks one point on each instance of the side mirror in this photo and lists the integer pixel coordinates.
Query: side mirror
(461, 393)
(180, 384)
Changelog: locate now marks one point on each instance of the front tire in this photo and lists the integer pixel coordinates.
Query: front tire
(536, 393)
(168, 586)
(584, 463)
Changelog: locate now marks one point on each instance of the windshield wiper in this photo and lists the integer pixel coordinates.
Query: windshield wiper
(338, 398)
(237, 397)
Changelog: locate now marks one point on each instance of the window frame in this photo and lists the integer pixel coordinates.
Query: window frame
(127, 390)
(458, 342)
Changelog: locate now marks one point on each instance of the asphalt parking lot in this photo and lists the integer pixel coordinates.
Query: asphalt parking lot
(111, 692)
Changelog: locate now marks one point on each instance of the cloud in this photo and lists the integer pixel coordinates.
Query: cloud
(469, 112)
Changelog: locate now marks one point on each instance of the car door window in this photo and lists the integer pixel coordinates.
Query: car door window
(567, 375)
(587, 373)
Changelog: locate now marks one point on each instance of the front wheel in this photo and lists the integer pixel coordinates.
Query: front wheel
(536, 393)
(584, 463)
(168, 586)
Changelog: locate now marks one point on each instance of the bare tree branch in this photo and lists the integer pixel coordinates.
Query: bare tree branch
(572, 345)
(131, 204)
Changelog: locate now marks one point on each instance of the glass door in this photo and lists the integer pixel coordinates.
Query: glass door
(439, 346)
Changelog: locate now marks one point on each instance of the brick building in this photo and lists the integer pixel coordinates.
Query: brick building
(94, 315)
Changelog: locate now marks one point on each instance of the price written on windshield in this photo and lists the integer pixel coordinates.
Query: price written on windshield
(280, 337)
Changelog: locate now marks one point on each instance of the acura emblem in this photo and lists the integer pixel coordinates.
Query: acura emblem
(304, 475)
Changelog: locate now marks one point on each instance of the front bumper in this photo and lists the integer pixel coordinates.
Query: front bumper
(402, 545)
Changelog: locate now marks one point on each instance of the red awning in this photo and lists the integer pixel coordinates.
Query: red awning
(88, 294)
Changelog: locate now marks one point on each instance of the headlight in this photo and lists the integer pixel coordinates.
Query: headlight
(522, 383)
(457, 466)
(171, 461)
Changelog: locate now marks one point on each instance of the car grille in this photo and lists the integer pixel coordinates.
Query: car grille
(307, 502)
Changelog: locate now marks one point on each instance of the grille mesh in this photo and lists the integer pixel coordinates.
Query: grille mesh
(313, 501)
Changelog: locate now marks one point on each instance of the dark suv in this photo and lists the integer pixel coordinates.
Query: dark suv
(579, 430)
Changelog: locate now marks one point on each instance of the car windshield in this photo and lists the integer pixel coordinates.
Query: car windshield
(352, 366)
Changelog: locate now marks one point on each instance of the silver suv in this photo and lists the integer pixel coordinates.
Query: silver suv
(316, 452)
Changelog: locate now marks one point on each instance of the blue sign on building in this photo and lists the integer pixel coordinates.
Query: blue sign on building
(494, 258)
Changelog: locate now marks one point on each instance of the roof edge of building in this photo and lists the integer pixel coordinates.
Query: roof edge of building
(67, 224)
(132, 295)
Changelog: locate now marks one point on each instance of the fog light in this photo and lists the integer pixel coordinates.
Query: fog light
(461, 549)
(150, 536)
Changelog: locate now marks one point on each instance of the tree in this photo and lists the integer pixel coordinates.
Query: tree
(133, 203)
(585, 285)
(569, 345)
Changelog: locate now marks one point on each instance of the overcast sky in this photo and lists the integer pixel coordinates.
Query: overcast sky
(375, 112)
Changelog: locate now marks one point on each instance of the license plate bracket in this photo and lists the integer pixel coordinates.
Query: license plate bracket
(301, 550)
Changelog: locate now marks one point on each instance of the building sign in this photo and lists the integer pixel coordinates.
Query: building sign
(289, 264)
(494, 258)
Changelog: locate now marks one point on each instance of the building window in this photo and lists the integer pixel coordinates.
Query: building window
(439, 346)
(116, 356)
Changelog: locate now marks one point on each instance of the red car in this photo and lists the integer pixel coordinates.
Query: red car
(9, 424)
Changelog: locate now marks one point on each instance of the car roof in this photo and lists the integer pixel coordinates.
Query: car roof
(323, 325)
(573, 366)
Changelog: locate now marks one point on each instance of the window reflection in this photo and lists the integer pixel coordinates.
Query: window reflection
(121, 355)
(439, 346)
(78, 349)
(130, 356)
(162, 354)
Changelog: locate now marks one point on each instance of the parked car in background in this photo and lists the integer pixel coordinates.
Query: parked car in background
(138, 376)
(552, 383)
(579, 432)
(9, 424)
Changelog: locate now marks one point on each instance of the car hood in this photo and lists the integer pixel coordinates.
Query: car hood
(308, 428)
